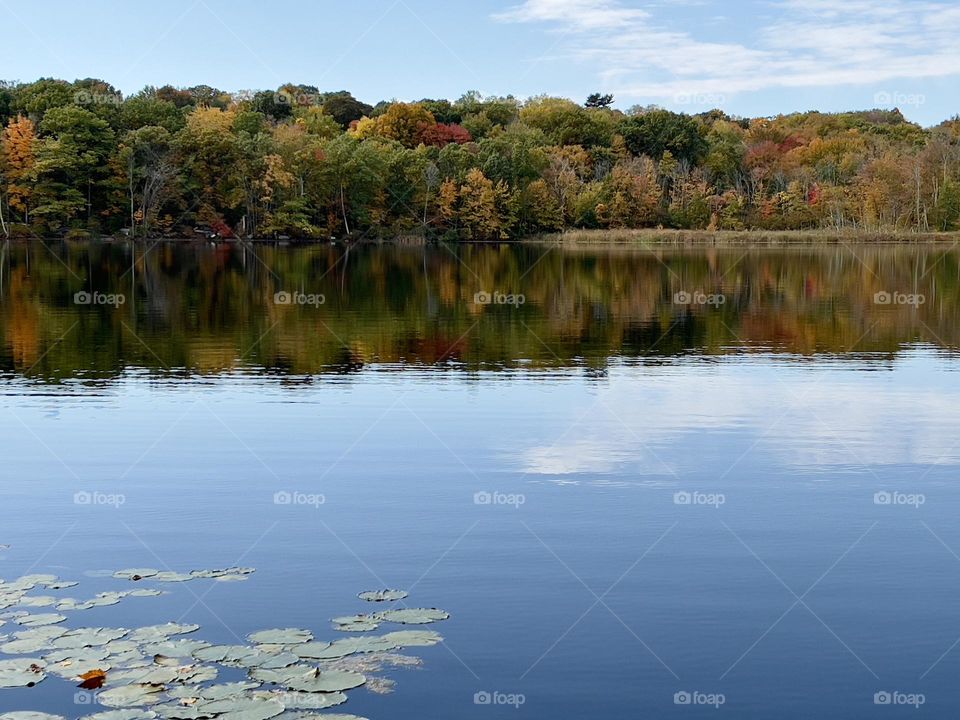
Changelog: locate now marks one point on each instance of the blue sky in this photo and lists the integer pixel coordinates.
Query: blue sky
(749, 57)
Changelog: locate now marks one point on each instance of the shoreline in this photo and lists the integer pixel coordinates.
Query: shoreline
(575, 238)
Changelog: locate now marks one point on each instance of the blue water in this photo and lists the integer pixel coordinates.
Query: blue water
(593, 593)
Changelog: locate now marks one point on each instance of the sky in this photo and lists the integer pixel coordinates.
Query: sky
(746, 57)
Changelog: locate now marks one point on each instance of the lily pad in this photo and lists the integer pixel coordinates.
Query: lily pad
(413, 638)
(175, 648)
(160, 633)
(213, 692)
(136, 574)
(382, 595)
(169, 576)
(131, 696)
(229, 655)
(40, 619)
(413, 616)
(28, 715)
(22, 672)
(287, 636)
(303, 700)
(37, 601)
(312, 681)
(88, 637)
(244, 708)
(132, 714)
(355, 623)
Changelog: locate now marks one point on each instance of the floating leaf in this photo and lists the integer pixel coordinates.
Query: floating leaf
(37, 601)
(413, 616)
(28, 715)
(287, 636)
(41, 619)
(175, 648)
(132, 714)
(88, 637)
(304, 701)
(172, 577)
(22, 672)
(131, 695)
(92, 680)
(413, 638)
(214, 692)
(312, 681)
(136, 574)
(355, 623)
(230, 655)
(382, 595)
(249, 708)
(160, 633)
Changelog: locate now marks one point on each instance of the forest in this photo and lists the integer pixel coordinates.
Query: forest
(81, 160)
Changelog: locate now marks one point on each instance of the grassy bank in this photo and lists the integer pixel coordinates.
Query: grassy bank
(745, 237)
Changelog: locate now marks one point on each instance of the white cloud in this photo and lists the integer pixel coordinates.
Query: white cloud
(802, 44)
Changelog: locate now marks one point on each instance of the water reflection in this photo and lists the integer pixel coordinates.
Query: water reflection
(93, 311)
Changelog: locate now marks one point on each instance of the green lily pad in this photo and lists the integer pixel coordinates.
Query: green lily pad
(28, 715)
(413, 638)
(160, 633)
(131, 696)
(229, 655)
(382, 595)
(355, 623)
(310, 649)
(175, 648)
(22, 672)
(136, 574)
(61, 585)
(313, 680)
(213, 692)
(181, 712)
(244, 708)
(88, 637)
(304, 701)
(413, 616)
(40, 619)
(131, 714)
(287, 636)
(37, 601)
(169, 576)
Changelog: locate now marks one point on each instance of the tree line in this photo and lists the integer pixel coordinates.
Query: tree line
(81, 159)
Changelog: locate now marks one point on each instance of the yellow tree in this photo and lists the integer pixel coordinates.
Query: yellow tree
(478, 207)
(19, 140)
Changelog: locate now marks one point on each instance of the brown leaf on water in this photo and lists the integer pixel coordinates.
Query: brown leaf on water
(92, 680)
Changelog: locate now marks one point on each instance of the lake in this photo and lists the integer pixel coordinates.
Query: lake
(643, 481)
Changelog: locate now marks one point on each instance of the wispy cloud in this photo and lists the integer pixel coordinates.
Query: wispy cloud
(794, 44)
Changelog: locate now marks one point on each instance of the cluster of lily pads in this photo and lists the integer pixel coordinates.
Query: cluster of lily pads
(157, 672)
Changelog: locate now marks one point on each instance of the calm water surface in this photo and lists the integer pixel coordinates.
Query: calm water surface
(667, 471)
